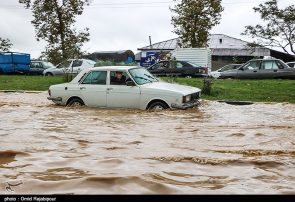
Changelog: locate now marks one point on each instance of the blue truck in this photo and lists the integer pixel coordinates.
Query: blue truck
(13, 62)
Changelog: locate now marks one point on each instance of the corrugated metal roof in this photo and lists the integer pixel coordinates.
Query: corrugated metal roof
(215, 41)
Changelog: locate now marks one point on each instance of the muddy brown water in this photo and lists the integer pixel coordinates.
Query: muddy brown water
(215, 149)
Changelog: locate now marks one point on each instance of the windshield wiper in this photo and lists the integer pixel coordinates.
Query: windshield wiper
(139, 77)
(151, 77)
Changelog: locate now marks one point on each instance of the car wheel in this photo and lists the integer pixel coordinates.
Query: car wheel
(48, 74)
(75, 102)
(157, 106)
(188, 77)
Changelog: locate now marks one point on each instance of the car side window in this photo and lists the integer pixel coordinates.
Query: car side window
(33, 65)
(179, 65)
(96, 78)
(269, 65)
(280, 66)
(115, 80)
(77, 63)
(253, 65)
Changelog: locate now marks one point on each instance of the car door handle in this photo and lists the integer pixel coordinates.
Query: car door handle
(82, 88)
(255, 71)
(110, 89)
(275, 70)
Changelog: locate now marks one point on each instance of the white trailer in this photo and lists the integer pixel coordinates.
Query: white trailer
(199, 56)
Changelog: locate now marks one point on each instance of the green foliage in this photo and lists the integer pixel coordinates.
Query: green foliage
(278, 29)
(22, 82)
(54, 23)
(194, 19)
(5, 44)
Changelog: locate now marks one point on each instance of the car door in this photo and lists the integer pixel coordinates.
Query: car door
(188, 69)
(122, 96)
(269, 69)
(33, 68)
(94, 89)
(249, 70)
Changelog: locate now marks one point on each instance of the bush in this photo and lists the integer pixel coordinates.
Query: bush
(207, 86)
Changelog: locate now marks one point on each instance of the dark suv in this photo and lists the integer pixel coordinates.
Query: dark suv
(177, 68)
(261, 69)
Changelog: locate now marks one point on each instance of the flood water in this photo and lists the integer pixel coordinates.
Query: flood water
(215, 149)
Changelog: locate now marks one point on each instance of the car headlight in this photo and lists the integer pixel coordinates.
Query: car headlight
(186, 98)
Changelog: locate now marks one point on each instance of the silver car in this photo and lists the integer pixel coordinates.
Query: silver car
(261, 69)
(69, 66)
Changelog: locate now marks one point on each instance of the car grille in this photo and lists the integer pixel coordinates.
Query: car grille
(195, 96)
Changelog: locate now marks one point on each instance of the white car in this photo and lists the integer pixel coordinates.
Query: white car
(69, 66)
(141, 90)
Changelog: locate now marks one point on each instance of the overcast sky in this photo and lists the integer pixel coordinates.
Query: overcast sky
(123, 24)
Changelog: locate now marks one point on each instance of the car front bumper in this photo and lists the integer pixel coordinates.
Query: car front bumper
(186, 105)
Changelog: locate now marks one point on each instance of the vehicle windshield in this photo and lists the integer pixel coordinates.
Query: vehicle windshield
(193, 64)
(64, 64)
(48, 64)
(142, 76)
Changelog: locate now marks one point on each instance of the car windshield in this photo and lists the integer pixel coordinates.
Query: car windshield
(48, 64)
(193, 64)
(142, 76)
(64, 64)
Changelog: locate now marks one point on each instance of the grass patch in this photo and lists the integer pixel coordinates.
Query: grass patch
(22, 82)
(245, 90)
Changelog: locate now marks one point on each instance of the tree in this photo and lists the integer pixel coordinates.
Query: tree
(194, 19)
(279, 28)
(5, 44)
(54, 23)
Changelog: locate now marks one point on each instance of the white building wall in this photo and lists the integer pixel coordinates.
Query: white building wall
(199, 56)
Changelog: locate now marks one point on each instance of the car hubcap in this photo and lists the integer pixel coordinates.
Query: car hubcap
(76, 104)
(158, 108)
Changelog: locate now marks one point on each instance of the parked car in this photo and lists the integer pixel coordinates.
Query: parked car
(37, 67)
(69, 66)
(141, 90)
(178, 68)
(261, 69)
(291, 64)
(217, 73)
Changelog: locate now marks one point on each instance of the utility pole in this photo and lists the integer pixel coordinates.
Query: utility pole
(150, 42)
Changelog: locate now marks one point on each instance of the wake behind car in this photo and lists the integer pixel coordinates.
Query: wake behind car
(99, 87)
(261, 69)
(178, 68)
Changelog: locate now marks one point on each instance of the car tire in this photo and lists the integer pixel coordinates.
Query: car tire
(48, 74)
(188, 77)
(157, 106)
(75, 102)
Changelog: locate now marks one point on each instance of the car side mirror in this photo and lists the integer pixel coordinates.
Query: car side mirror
(242, 69)
(130, 83)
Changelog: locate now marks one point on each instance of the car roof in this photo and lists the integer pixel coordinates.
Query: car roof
(115, 68)
(264, 59)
